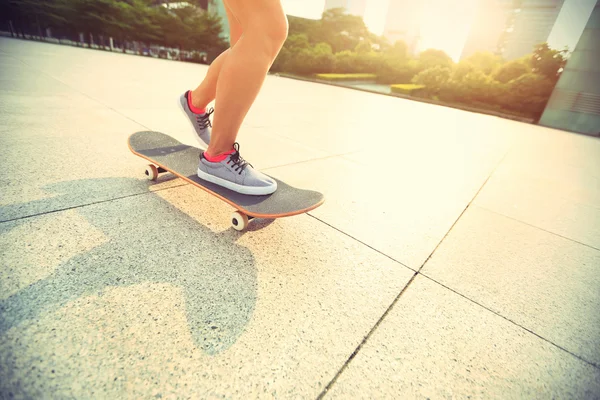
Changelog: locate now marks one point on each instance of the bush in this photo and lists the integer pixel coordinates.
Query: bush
(529, 93)
(473, 88)
(434, 79)
(511, 70)
(310, 61)
(394, 69)
(409, 89)
(344, 62)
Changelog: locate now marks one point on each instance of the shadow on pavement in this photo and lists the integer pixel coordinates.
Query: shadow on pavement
(148, 240)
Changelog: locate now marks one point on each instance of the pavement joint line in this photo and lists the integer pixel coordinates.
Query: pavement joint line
(90, 204)
(81, 93)
(593, 364)
(537, 227)
(365, 339)
(360, 241)
(463, 212)
(418, 272)
(468, 205)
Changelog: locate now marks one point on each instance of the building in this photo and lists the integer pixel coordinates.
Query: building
(489, 23)
(402, 23)
(354, 7)
(511, 28)
(570, 24)
(575, 101)
(529, 23)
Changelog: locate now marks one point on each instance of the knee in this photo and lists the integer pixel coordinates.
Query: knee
(274, 35)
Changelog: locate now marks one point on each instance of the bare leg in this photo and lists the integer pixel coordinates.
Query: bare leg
(207, 90)
(244, 68)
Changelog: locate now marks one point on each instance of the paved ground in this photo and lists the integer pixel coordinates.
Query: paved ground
(457, 255)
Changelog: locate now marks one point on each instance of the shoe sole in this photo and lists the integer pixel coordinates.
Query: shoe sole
(250, 190)
(201, 142)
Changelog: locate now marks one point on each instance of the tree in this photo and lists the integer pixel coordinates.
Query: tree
(486, 62)
(297, 41)
(529, 94)
(511, 70)
(342, 31)
(432, 58)
(301, 26)
(433, 78)
(399, 49)
(309, 61)
(363, 47)
(462, 69)
(345, 62)
(394, 69)
(548, 62)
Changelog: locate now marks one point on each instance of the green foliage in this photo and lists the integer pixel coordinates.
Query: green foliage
(363, 47)
(433, 78)
(529, 93)
(145, 21)
(345, 62)
(511, 70)
(306, 61)
(432, 58)
(462, 69)
(548, 62)
(399, 49)
(297, 41)
(484, 61)
(395, 69)
(340, 30)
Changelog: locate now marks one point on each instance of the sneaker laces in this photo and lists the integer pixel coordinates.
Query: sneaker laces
(239, 164)
(203, 120)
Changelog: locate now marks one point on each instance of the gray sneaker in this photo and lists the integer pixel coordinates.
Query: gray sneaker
(200, 122)
(236, 174)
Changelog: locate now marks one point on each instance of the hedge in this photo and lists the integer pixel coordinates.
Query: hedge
(408, 89)
(347, 77)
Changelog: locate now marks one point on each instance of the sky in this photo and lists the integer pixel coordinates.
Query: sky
(447, 24)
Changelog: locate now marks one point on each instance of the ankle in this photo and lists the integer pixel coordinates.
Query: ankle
(215, 152)
(195, 105)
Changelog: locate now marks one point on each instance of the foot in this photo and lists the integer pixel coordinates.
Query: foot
(230, 170)
(200, 119)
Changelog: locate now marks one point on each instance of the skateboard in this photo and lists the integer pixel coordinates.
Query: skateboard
(167, 154)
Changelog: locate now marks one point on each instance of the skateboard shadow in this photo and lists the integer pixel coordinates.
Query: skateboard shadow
(148, 240)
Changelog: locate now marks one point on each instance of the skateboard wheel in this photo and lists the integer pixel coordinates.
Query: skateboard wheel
(239, 221)
(151, 172)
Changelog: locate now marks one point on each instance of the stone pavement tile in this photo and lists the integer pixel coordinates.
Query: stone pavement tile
(437, 344)
(403, 203)
(168, 300)
(552, 182)
(115, 80)
(543, 282)
(44, 161)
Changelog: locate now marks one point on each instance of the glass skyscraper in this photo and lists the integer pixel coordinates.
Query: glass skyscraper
(575, 101)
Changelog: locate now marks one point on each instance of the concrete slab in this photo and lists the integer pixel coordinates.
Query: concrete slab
(165, 304)
(548, 284)
(402, 201)
(552, 182)
(437, 344)
(45, 159)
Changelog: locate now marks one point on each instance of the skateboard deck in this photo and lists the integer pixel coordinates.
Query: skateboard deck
(169, 155)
